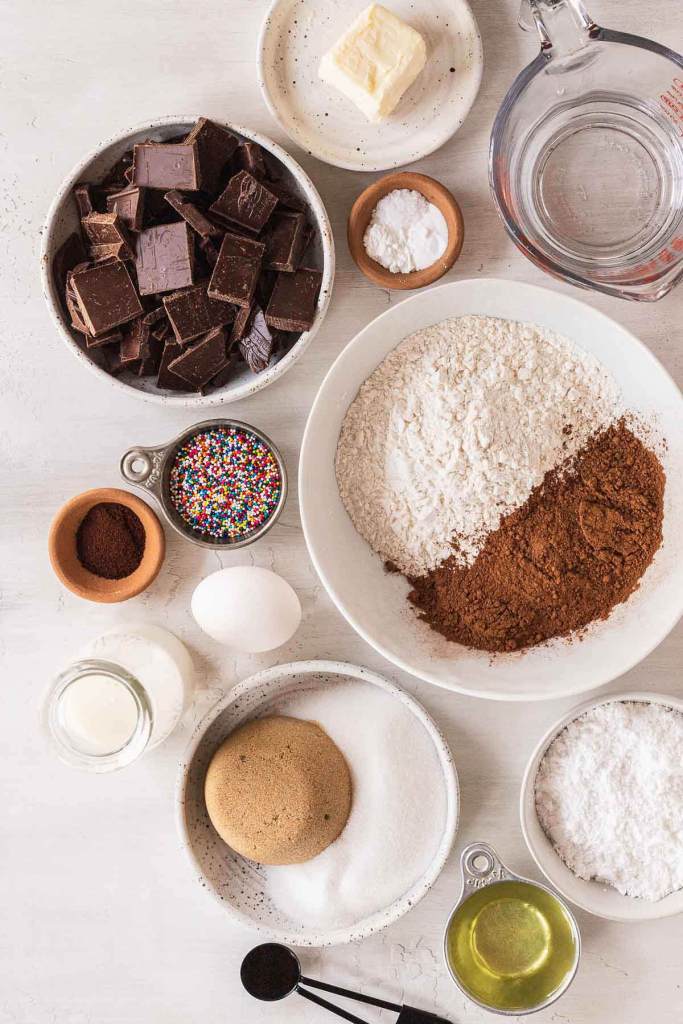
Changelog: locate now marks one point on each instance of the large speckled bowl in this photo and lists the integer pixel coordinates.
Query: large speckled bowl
(62, 219)
(239, 884)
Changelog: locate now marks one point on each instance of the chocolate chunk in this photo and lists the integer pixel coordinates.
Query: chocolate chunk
(202, 361)
(116, 251)
(209, 251)
(167, 378)
(134, 344)
(293, 302)
(249, 157)
(241, 322)
(104, 339)
(106, 296)
(286, 197)
(160, 165)
(237, 270)
(117, 174)
(192, 214)
(245, 202)
(70, 254)
(257, 345)
(129, 205)
(215, 146)
(223, 376)
(285, 241)
(107, 234)
(151, 360)
(192, 312)
(164, 258)
(154, 315)
(83, 199)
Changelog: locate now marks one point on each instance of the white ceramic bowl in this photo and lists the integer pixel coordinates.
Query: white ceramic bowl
(375, 602)
(62, 220)
(595, 897)
(237, 883)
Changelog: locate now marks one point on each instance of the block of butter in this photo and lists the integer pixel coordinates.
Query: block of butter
(375, 61)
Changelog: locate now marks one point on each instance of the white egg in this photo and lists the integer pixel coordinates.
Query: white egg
(248, 608)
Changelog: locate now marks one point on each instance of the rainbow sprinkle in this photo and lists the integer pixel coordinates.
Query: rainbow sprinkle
(225, 483)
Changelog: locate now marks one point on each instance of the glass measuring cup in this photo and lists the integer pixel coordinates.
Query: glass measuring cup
(586, 155)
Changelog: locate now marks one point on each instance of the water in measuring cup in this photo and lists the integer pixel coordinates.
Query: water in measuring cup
(600, 181)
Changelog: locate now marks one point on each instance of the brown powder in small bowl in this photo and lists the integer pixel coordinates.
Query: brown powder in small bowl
(110, 540)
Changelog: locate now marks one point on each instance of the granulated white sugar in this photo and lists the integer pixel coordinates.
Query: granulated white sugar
(456, 427)
(609, 796)
(398, 809)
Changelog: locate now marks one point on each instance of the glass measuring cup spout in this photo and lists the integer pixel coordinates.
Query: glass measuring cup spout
(586, 155)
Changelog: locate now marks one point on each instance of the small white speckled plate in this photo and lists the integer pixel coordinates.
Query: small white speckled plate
(295, 35)
(239, 884)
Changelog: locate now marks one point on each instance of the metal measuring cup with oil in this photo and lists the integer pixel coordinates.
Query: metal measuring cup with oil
(511, 945)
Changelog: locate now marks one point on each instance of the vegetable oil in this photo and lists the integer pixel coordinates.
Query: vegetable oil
(511, 945)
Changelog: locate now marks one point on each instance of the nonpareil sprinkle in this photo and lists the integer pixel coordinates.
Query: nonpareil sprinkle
(225, 483)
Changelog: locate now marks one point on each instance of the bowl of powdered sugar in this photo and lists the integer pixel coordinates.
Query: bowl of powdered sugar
(400, 829)
(490, 482)
(602, 806)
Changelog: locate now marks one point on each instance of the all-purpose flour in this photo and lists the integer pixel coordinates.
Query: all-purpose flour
(456, 427)
(609, 796)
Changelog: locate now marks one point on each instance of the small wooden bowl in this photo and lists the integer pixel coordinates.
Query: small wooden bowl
(362, 211)
(78, 579)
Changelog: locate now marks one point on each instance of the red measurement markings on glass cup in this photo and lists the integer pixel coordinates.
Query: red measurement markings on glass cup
(671, 103)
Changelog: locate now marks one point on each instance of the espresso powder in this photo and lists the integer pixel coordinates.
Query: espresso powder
(110, 540)
(576, 548)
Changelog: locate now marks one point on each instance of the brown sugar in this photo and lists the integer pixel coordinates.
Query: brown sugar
(278, 790)
(576, 549)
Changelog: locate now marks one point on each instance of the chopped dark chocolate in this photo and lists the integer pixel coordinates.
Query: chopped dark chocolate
(237, 270)
(70, 254)
(209, 251)
(202, 361)
(215, 146)
(151, 360)
(192, 214)
(134, 343)
(108, 252)
(167, 378)
(106, 296)
(286, 197)
(129, 205)
(241, 322)
(107, 235)
(104, 339)
(293, 302)
(223, 376)
(117, 174)
(154, 315)
(164, 165)
(249, 157)
(245, 202)
(192, 312)
(285, 241)
(257, 344)
(83, 199)
(164, 258)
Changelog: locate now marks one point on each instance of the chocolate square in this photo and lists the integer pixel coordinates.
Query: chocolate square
(201, 361)
(164, 258)
(129, 205)
(104, 339)
(160, 165)
(215, 145)
(167, 378)
(285, 241)
(241, 322)
(245, 202)
(249, 157)
(258, 344)
(293, 302)
(192, 214)
(83, 199)
(237, 270)
(106, 296)
(192, 312)
(286, 197)
(106, 230)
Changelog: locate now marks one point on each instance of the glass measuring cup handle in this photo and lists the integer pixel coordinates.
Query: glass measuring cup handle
(564, 27)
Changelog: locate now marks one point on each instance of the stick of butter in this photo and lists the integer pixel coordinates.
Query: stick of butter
(375, 61)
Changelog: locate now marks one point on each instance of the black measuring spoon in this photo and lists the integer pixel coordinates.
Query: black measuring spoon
(271, 972)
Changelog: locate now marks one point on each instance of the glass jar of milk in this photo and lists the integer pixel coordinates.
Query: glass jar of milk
(124, 695)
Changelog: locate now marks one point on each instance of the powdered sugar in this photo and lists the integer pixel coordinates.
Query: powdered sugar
(406, 232)
(609, 796)
(456, 427)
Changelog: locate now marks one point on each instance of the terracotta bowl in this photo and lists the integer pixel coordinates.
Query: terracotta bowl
(78, 579)
(362, 210)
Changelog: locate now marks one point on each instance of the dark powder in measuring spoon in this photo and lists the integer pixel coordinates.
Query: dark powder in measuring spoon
(110, 540)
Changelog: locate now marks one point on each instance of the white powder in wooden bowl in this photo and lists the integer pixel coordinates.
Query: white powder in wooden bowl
(609, 796)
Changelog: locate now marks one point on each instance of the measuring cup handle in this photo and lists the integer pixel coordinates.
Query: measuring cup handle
(141, 467)
(480, 866)
(564, 26)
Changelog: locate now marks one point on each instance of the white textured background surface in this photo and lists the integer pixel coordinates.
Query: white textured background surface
(101, 920)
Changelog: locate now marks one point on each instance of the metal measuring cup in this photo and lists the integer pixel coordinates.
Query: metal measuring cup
(149, 469)
(480, 866)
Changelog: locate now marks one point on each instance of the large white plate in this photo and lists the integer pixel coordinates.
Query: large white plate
(295, 35)
(375, 602)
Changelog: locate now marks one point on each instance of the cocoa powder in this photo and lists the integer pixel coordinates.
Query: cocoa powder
(573, 551)
(110, 540)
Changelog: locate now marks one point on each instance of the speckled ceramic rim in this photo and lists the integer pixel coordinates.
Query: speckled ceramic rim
(409, 899)
(667, 907)
(228, 394)
(349, 165)
(153, 479)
